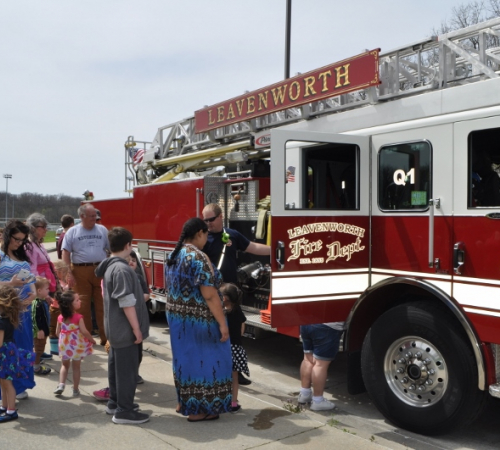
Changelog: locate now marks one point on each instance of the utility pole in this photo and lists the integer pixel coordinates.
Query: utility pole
(287, 37)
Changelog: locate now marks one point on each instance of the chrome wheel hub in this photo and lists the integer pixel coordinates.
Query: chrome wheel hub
(415, 371)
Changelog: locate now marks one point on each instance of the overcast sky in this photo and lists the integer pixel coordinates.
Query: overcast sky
(78, 77)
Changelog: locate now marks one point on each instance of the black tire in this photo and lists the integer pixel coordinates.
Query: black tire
(436, 387)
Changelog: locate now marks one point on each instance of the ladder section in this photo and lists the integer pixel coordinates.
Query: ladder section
(464, 56)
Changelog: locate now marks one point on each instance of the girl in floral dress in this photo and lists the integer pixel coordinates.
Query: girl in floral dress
(75, 342)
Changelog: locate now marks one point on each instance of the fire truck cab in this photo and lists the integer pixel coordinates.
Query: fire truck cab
(381, 204)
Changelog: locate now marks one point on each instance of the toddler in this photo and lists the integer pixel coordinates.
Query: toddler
(75, 342)
(14, 362)
(61, 269)
(40, 319)
(236, 322)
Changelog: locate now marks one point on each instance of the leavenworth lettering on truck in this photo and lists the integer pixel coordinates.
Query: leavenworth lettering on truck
(381, 207)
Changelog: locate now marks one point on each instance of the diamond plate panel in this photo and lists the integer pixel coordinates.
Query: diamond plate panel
(217, 191)
(248, 202)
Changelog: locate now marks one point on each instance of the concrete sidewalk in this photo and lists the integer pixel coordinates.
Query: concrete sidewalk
(269, 419)
(264, 421)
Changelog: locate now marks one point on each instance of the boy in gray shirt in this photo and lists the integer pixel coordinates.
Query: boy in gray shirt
(126, 322)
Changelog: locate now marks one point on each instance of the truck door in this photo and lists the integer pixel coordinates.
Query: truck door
(320, 191)
(476, 253)
(412, 210)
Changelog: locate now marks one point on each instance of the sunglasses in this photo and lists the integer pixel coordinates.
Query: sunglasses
(210, 220)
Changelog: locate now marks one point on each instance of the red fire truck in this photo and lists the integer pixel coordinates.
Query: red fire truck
(376, 182)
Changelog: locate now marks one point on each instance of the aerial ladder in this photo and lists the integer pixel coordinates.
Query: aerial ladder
(459, 57)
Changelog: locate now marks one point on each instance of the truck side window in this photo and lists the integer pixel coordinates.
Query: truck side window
(484, 168)
(404, 173)
(322, 177)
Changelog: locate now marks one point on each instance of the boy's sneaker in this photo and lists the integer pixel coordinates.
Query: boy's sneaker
(305, 398)
(76, 392)
(323, 405)
(111, 411)
(59, 389)
(46, 356)
(7, 417)
(132, 417)
(22, 395)
(102, 394)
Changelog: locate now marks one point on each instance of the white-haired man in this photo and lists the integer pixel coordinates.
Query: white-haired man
(84, 247)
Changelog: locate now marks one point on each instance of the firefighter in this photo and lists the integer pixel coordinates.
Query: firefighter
(222, 247)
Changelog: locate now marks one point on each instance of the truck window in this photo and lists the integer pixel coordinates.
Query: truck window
(484, 168)
(404, 172)
(322, 177)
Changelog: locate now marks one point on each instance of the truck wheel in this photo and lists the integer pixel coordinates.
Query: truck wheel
(420, 371)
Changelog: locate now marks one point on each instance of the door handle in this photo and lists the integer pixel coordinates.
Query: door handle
(280, 255)
(433, 203)
(458, 257)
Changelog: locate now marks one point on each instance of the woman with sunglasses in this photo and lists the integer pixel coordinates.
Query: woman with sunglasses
(42, 266)
(13, 259)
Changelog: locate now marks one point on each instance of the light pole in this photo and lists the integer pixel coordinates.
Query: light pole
(6, 176)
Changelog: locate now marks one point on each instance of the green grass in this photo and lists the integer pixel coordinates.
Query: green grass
(50, 237)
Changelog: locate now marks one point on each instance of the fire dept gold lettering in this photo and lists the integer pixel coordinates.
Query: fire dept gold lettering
(292, 92)
(303, 247)
(325, 227)
(263, 100)
(336, 250)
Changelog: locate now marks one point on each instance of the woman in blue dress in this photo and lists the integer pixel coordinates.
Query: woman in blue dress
(13, 258)
(199, 335)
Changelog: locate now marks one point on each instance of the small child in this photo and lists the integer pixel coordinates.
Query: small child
(14, 362)
(40, 321)
(236, 322)
(132, 262)
(62, 270)
(75, 342)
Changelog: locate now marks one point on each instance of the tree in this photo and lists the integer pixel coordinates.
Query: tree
(20, 206)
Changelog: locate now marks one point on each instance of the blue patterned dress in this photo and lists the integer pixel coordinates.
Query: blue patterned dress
(23, 334)
(202, 364)
(14, 363)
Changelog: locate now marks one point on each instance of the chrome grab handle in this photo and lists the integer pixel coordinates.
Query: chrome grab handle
(280, 255)
(458, 257)
(199, 191)
(433, 203)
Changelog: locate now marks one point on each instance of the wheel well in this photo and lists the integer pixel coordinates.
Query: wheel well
(396, 291)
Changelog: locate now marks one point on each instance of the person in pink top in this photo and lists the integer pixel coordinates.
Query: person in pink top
(40, 264)
(75, 341)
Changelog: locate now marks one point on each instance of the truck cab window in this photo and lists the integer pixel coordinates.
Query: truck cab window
(404, 173)
(484, 168)
(322, 177)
